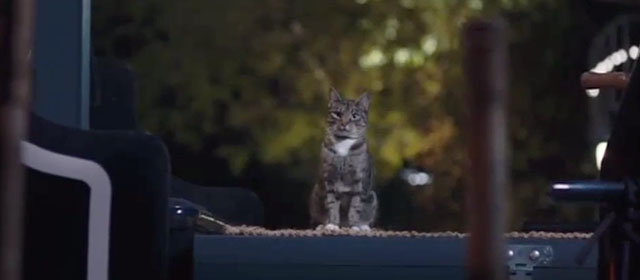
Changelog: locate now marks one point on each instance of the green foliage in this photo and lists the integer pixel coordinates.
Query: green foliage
(256, 75)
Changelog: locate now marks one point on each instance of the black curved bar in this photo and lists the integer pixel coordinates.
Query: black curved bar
(587, 191)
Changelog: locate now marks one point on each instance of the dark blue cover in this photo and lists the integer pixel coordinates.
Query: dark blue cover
(370, 258)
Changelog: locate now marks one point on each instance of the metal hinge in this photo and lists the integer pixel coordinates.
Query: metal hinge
(522, 259)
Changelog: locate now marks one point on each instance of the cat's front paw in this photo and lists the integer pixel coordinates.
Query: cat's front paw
(331, 227)
(361, 228)
(364, 228)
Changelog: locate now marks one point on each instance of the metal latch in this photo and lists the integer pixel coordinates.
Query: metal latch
(523, 258)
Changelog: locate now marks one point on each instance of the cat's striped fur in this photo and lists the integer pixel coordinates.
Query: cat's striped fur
(344, 195)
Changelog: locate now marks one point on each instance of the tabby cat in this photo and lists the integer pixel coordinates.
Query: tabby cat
(344, 195)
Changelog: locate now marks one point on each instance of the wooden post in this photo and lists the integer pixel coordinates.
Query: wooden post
(485, 63)
(16, 37)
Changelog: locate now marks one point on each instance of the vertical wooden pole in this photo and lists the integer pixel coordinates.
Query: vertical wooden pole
(485, 63)
(16, 37)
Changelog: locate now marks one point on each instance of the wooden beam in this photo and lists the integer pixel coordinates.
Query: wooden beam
(617, 80)
(16, 37)
(485, 65)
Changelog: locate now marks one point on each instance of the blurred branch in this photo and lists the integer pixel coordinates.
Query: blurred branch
(16, 37)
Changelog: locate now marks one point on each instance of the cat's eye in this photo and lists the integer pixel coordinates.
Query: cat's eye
(354, 116)
(335, 115)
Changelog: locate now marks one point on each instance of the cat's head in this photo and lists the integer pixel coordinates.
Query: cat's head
(348, 119)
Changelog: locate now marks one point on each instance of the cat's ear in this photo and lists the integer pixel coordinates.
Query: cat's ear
(364, 101)
(334, 96)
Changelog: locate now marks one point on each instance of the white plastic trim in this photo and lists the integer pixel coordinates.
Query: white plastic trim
(99, 184)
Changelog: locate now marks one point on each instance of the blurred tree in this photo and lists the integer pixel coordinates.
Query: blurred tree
(246, 82)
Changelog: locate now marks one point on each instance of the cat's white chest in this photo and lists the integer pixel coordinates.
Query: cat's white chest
(343, 147)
